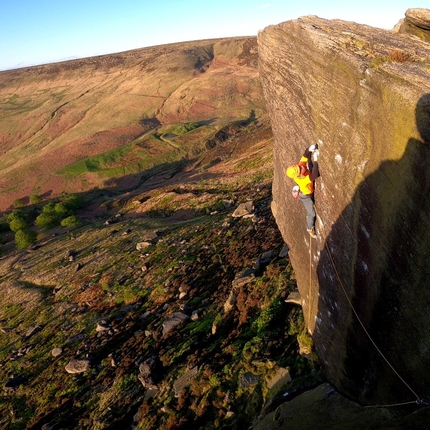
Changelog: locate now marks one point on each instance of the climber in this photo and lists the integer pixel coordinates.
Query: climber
(304, 175)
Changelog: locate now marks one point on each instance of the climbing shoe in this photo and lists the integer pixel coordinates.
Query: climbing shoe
(312, 233)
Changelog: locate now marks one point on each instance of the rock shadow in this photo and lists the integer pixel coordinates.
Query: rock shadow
(374, 276)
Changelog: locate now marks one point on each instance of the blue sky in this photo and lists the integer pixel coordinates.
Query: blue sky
(43, 31)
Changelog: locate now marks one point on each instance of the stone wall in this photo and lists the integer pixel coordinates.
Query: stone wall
(365, 93)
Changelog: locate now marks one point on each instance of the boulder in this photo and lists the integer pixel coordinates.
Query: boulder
(78, 366)
(243, 278)
(150, 372)
(56, 352)
(244, 210)
(174, 320)
(142, 245)
(416, 22)
(230, 302)
(346, 85)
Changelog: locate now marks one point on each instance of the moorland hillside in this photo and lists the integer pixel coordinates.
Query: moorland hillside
(75, 125)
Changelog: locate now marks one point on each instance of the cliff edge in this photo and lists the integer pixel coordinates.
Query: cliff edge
(364, 282)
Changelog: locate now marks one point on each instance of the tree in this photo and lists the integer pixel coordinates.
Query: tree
(25, 238)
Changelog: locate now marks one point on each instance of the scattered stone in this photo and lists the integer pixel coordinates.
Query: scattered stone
(230, 302)
(32, 331)
(144, 268)
(195, 315)
(150, 372)
(102, 326)
(145, 315)
(294, 297)
(78, 366)
(56, 352)
(182, 295)
(184, 381)
(248, 379)
(244, 210)
(143, 245)
(76, 338)
(264, 260)
(243, 278)
(228, 203)
(150, 236)
(174, 320)
(284, 251)
(282, 376)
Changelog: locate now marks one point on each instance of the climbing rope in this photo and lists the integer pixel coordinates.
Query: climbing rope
(310, 281)
(418, 400)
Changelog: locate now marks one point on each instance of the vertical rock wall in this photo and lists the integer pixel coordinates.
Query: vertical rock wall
(365, 93)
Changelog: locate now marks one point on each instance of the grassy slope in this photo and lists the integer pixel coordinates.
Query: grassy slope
(200, 250)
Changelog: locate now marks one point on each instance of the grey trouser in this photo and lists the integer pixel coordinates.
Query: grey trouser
(308, 203)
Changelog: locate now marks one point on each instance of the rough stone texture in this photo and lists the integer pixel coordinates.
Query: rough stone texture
(78, 366)
(340, 82)
(174, 320)
(416, 22)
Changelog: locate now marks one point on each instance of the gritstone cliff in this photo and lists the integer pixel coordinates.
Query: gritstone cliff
(365, 93)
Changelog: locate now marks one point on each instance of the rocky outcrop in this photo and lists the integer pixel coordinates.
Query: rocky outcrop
(416, 22)
(365, 93)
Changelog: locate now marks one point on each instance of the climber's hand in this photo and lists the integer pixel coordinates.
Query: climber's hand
(312, 148)
(315, 155)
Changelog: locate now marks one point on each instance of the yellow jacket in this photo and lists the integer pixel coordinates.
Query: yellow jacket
(304, 181)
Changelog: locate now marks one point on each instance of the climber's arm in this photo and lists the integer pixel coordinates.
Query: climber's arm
(315, 173)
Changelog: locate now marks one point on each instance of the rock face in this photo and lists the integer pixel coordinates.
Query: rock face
(365, 93)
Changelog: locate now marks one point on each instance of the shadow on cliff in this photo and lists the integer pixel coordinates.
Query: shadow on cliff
(377, 255)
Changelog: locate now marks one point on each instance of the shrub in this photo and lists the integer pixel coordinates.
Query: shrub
(398, 56)
(18, 203)
(25, 238)
(61, 210)
(34, 198)
(71, 221)
(72, 202)
(17, 224)
(47, 220)
(16, 220)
